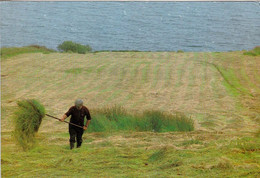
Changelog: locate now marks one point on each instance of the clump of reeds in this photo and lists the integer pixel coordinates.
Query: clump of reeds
(118, 119)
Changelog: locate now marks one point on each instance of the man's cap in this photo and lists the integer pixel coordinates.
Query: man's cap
(79, 102)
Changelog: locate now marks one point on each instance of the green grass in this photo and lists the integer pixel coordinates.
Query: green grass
(74, 71)
(90, 69)
(135, 51)
(192, 69)
(158, 155)
(113, 96)
(101, 68)
(191, 142)
(133, 156)
(134, 71)
(145, 72)
(156, 71)
(123, 73)
(168, 75)
(247, 144)
(118, 119)
(14, 51)
(253, 52)
(181, 71)
(232, 83)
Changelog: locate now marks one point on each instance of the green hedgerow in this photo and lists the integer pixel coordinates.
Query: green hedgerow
(70, 46)
(27, 120)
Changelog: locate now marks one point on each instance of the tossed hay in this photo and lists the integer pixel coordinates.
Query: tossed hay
(27, 119)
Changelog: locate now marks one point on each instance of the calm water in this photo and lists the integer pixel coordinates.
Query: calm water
(146, 26)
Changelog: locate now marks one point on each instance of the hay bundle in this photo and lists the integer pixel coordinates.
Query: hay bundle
(27, 118)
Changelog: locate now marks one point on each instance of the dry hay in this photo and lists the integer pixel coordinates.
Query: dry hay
(27, 119)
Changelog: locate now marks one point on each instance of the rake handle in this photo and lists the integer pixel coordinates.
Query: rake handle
(64, 121)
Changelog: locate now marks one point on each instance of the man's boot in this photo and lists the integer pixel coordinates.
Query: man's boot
(78, 145)
(71, 145)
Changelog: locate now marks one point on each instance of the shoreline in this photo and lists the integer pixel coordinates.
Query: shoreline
(97, 51)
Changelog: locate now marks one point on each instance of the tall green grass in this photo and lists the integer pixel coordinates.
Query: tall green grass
(27, 120)
(118, 119)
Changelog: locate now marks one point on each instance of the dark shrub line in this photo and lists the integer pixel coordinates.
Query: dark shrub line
(70, 46)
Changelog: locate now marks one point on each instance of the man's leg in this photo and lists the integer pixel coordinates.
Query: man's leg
(73, 134)
(79, 137)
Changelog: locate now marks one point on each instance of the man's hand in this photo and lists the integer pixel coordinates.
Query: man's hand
(63, 118)
(86, 126)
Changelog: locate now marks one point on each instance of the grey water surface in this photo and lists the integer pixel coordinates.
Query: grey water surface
(143, 26)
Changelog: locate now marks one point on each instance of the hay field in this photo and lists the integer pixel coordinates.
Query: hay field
(220, 91)
(168, 81)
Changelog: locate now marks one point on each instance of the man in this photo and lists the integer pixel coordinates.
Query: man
(77, 113)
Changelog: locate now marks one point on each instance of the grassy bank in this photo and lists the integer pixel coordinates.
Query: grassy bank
(14, 51)
(253, 52)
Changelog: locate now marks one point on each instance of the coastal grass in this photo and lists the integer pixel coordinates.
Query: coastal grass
(27, 119)
(253, 52)
(7, 52)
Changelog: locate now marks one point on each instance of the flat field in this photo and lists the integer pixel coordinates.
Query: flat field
(219, 91)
